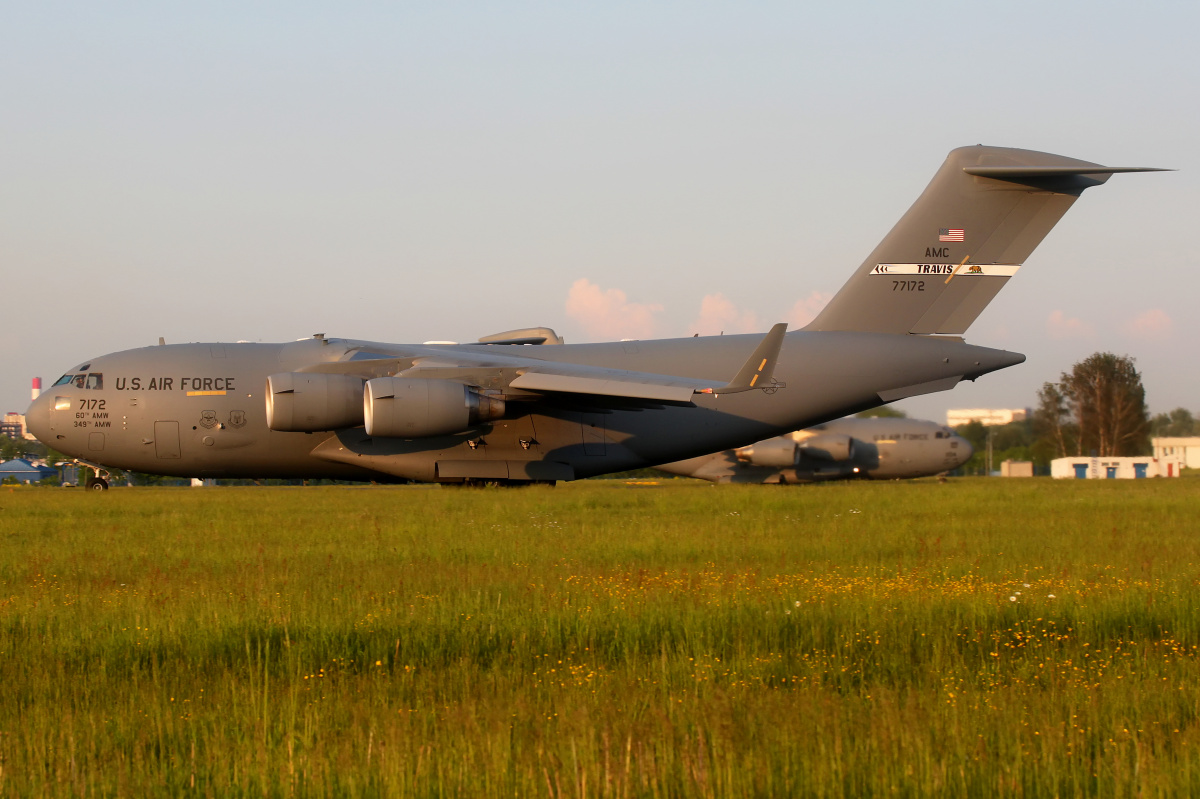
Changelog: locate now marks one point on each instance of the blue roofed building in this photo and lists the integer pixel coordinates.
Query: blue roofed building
(24, 471)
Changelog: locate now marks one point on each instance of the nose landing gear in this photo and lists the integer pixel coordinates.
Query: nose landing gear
(98, 479)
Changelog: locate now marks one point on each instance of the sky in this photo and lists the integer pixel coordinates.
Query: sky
(442, 171)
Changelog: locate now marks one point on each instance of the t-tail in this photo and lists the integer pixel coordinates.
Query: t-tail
(981, 216)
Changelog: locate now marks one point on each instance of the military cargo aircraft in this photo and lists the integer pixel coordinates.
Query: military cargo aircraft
(522, 407)
(877, 448)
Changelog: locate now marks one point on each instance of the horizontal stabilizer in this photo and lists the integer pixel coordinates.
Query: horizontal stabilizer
(1062, 179)
(1009, 172)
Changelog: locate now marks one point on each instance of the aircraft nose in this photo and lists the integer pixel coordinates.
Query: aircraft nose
(964, 451)
(37, 419)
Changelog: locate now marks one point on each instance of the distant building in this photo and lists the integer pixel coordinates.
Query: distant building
(988, 417)
(24, 471)
(1185, 449)
(1016, 469)
(13, 425)
(1082, 468)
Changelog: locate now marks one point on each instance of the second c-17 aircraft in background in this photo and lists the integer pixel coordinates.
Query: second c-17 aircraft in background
(505, 411)
(875, 448)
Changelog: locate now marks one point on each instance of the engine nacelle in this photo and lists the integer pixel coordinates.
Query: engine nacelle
(776, 452)
(300, 402)
(398, 407)
(828, 447)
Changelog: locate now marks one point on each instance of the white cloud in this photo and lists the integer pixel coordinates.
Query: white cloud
(608, 313)
(718, 314)
(1061, 326)
(1153, 324)
(806, 309)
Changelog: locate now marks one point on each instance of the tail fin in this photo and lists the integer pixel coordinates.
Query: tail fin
(975, 224)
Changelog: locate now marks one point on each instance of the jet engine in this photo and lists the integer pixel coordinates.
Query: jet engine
(828, 447)
(777, 452)
(397, 407)
(300, 402)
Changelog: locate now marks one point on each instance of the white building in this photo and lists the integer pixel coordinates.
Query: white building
(1185, 449)
(987, 417)
(13, 426)
(1085, 467)
(1016, 468)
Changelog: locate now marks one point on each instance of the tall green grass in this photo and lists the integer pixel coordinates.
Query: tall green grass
(986, 637)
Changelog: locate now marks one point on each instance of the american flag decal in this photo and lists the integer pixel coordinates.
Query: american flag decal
(951, 234)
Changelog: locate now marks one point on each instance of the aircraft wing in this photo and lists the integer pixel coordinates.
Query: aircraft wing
(539, 376)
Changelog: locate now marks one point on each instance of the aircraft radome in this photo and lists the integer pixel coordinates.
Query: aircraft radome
(521, 407)
(875, 448)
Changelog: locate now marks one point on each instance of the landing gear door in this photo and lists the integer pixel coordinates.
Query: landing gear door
(166, 439)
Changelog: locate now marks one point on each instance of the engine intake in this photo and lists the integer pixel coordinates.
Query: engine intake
(300, 402)
(397, 407)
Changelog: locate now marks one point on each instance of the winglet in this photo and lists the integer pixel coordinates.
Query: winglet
(758, 369)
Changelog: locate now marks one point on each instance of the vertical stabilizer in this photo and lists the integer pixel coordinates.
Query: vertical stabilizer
(981, 216)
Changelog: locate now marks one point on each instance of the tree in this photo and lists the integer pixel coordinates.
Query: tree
(1053, 424)
(1012, 441)
(1177, 423)
(16, 448)
(1105, 397)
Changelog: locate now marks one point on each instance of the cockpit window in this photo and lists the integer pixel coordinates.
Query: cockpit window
(92, 380)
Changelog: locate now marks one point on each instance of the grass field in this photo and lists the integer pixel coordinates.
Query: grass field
(982, 637)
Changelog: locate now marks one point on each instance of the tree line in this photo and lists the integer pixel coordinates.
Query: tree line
(1098, 407)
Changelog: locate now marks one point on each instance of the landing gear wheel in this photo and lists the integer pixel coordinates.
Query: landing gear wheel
(97, 484)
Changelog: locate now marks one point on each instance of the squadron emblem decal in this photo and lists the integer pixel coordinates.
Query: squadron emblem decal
(237, 418)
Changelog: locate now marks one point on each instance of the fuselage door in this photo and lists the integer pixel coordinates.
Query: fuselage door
(166, 439)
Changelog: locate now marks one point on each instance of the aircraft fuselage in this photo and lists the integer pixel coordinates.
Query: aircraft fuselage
(878, 448)
(198, 410)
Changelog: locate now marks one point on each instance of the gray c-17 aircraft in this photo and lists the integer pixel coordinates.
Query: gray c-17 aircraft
(520, 408)
(875, 448)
